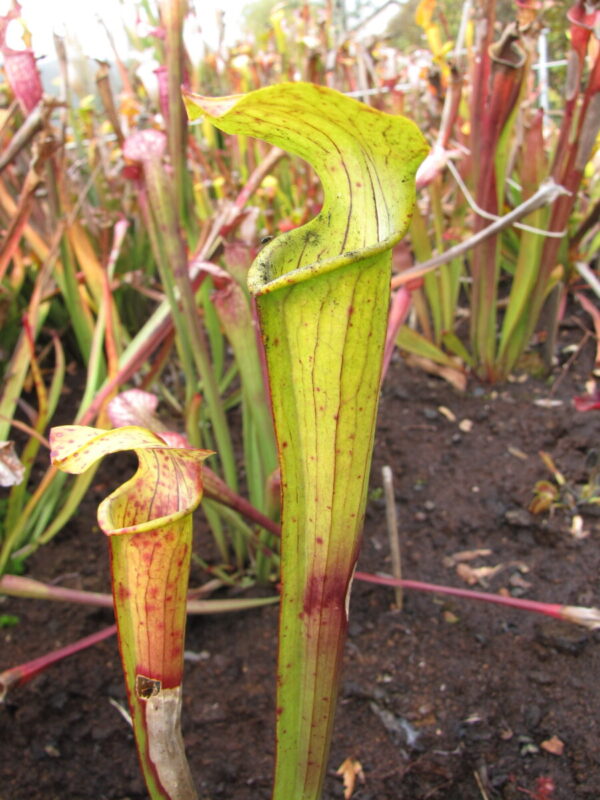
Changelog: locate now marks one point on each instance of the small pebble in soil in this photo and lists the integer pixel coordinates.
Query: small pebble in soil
(52, 751)
(499, 780)
(519, 518)
(58, 700)
(532, 717)
(539, 677)
(527, 746)
(354, 689)
(355, 628)
(561, 636)
(509, 627)
(401, 730)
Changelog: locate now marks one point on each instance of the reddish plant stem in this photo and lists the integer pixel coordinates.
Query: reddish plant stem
(399, 308)
(16, 676)
(25, 587)
(17, 586)
(484, 31)
(550, 609)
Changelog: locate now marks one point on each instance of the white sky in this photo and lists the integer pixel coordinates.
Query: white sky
(79, 18)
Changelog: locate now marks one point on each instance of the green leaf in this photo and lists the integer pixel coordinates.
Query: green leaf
(454, 345)
(414, 342)
(322, 294)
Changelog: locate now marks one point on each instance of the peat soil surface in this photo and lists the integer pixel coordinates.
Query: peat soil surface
(444, 700)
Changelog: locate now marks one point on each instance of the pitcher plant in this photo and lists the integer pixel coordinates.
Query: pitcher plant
(148, 522)
(322, 293)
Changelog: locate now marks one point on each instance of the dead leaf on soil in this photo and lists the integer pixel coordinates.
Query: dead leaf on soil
(577, 529)
(351, 770)
(473, 575)
(11, 469)
(547, 402)
(454, 376)
(450, 617)
(517, 453)
(553, 745)
(445, 412)
(465, 555)
(517, 582)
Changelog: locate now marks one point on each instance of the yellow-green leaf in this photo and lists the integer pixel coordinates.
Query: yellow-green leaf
(365, 159)
(166, 487)
(322, 293)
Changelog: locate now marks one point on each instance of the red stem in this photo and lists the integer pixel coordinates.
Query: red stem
(24, 672)
(10, 584)
(399, 308)
(550, 609)
(16, 676)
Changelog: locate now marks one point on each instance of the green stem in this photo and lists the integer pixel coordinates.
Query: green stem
(188, 325)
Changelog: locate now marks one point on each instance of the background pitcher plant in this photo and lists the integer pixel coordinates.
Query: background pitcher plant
(322, 293)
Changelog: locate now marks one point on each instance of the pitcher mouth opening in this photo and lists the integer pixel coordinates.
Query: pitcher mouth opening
(262, 277)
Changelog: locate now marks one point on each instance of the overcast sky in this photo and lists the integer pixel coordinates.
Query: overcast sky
(79, 18)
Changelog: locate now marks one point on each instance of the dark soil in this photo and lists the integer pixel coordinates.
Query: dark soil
(445, 700)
